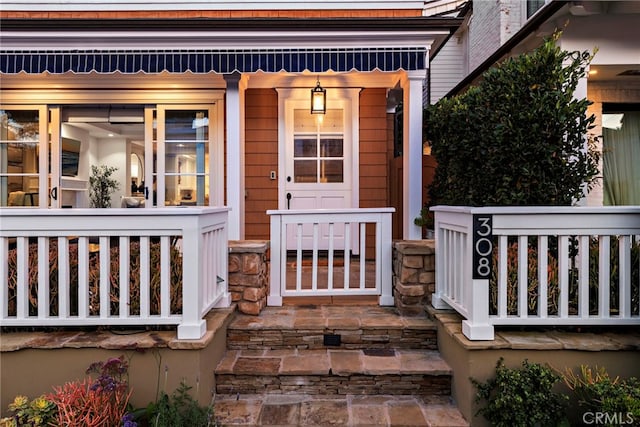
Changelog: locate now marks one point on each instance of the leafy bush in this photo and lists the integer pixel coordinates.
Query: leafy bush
(522, 397)
(517, 138)
(597, 392)
(178, 410)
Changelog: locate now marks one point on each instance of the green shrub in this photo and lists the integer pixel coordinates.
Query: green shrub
(597, 392)
(179, 409)
(522, 397)
(518, 137)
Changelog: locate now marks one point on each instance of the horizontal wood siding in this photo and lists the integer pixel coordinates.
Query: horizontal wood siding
(447, 68)
(374, 182)
(261, 157)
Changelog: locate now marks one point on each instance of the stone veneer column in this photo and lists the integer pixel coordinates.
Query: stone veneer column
(249, 274)
(413, 275)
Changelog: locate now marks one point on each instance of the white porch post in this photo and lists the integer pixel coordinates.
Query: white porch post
(412, 153)
(236, 86)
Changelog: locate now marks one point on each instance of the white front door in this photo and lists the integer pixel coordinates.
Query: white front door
(319, 170)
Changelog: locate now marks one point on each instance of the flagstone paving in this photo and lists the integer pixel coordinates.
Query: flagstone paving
(344, 410)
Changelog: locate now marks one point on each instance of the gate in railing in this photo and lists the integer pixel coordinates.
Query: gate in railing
(101, 267)
(538, 266)
(332, 252)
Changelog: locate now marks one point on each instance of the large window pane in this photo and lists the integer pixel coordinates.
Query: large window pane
(186, 157)
(19, 142)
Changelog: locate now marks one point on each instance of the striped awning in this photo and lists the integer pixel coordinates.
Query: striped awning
(218, 61)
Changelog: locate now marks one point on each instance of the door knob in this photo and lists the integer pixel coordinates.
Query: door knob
(288, 200)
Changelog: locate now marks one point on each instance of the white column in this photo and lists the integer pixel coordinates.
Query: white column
(412, 153)
(581, 93)
(236, 86)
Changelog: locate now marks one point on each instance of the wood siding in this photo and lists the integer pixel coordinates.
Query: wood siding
(447, 68)
(374, 157)
(261, 157)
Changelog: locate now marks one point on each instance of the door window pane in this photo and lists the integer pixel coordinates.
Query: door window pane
(19, 143)
(305, 147)
(331, 171)
(331, 147)
(305, 171)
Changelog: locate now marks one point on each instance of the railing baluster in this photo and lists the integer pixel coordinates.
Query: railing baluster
(165, 275)
(314, 264)
(4, 277)
(583, 277)
(22, 264)
(145, 278)
(64, 308)
(563, 273)
(299, 258)
(625, 276)
(523, 282)
(83, 277)
(330, 258)
(43, 277)
(124, 292)
(363, 253)
(503, 247)
(604, 277)
(347, 254)
(543, 276)
(105, 285)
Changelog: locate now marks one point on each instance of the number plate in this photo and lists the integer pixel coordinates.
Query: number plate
(482, 246)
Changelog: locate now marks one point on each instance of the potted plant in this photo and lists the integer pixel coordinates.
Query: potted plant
(102, 186)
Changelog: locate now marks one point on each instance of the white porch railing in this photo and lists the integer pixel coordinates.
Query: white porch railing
(79, 267)
(538, 266)
(339, 238)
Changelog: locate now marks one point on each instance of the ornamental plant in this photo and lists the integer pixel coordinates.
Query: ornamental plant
(102, 186)
(35, 413)
(522, 397)
(517, 138)
(597, 392)
(100, 402)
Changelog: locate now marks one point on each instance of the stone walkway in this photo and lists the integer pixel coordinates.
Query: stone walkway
(328, 410)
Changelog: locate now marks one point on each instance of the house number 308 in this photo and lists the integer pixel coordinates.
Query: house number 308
(482, 246)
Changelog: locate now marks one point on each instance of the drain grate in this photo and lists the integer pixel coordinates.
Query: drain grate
(332, 340)
(379, 352)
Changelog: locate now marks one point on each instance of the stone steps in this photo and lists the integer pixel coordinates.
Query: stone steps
(361, 328)
(333, 372)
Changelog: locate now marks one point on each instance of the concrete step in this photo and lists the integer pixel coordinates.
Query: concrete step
(343, 410)
(333, 372)
(317, 327)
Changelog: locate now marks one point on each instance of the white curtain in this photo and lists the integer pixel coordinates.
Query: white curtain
(621, 159)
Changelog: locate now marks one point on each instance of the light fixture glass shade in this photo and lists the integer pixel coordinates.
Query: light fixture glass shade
(318, 99)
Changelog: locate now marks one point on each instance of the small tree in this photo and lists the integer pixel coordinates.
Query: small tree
(102, 186)
(518, 138)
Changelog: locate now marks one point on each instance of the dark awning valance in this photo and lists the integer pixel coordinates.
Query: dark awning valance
(218, 61)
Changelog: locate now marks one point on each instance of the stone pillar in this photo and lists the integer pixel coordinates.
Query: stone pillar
(249, 275)
(414, 276)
